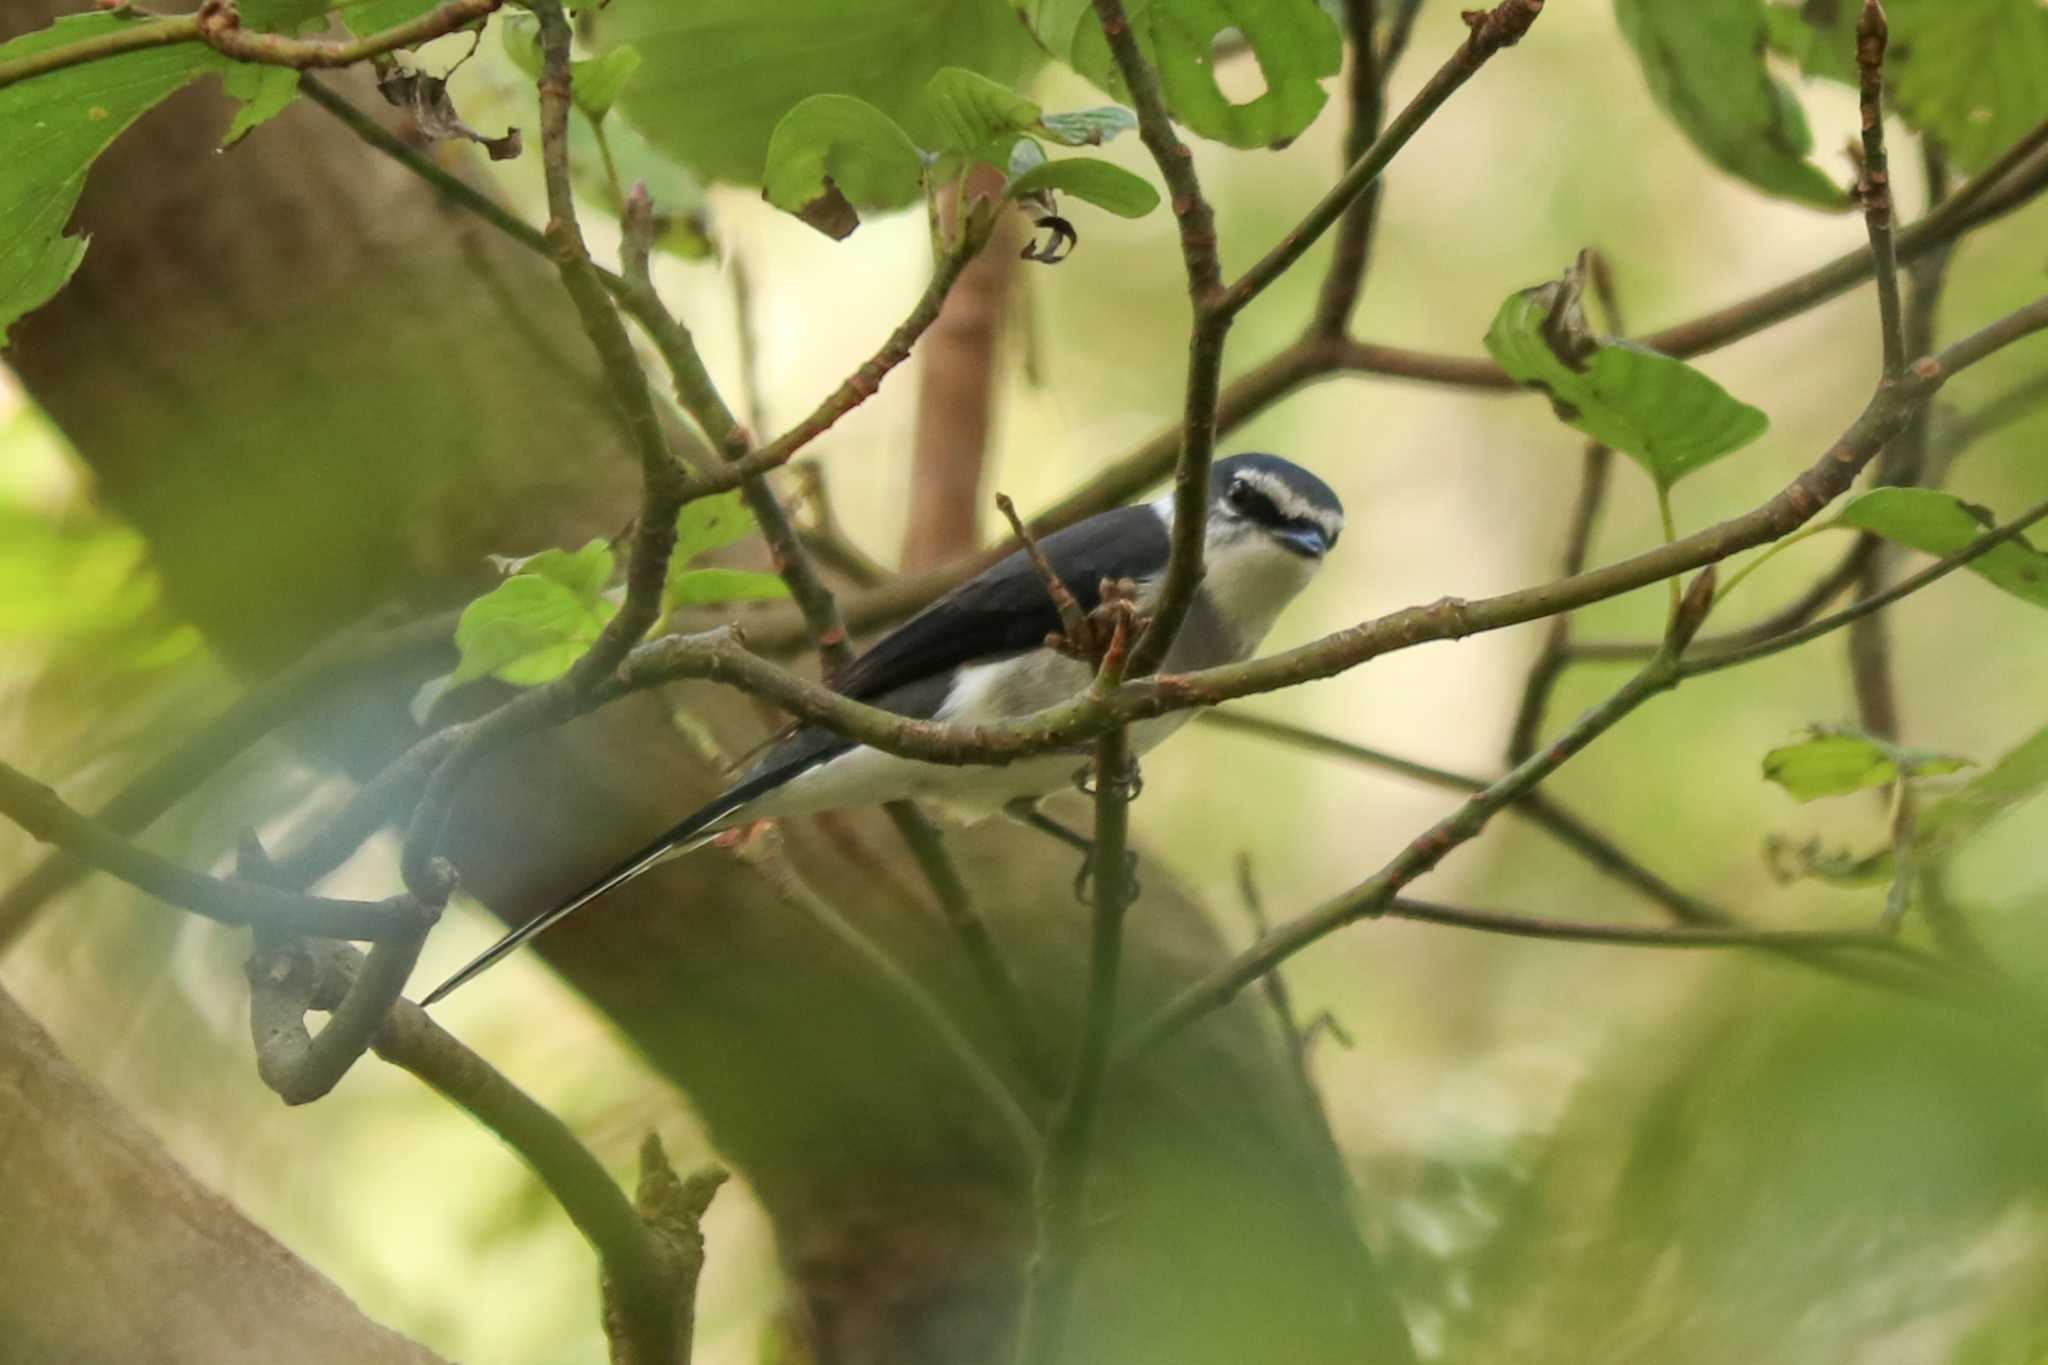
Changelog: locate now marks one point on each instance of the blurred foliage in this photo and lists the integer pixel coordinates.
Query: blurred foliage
(1565, 1154)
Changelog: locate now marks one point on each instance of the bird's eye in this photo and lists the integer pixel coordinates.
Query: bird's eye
(1241, 496)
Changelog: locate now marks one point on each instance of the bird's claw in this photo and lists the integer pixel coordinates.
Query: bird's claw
(1084, 890)
(1130, 782)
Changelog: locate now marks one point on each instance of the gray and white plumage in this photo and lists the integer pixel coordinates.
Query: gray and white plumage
(978, 656)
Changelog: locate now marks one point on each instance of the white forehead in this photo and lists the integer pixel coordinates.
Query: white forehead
(1291, 504)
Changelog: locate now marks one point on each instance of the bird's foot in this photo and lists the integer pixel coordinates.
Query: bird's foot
(1130, 782)
(1084, 880)
(1108, 629)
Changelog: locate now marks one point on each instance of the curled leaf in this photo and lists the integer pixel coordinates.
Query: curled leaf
(833, 155)
(1664, 414)
(426, 99)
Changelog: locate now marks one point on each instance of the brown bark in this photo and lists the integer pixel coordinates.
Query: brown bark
(958, 365)
(110, 1251)
(317, 392)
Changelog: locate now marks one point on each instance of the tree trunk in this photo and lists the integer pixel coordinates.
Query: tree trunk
(318, 391)
(111, 1252)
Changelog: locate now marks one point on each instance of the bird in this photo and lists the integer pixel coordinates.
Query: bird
(983, 653)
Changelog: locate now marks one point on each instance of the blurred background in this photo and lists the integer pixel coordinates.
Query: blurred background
(1564, 1152)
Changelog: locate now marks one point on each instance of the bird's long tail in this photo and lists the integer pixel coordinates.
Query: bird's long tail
(694, 832)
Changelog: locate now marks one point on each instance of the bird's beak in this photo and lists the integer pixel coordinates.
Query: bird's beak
(1310, 542)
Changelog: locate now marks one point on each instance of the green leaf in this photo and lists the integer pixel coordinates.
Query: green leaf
(694, 587)
(1294, 42)
(834, 154)
(710, 524)
(1835, 762)
(1704, 61)
(1098, 182)
(595, 84)
(532, 627)
(583, 572)
(56, 125)
(1088, 127)
(1941, 524)
(265, 92)
(1664, 414)
(1973, 73)
(974, 111)
(720, 75)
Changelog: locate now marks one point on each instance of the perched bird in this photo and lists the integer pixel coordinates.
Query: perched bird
(979, 655)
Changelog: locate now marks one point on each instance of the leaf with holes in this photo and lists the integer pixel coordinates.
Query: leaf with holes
(1295, 44)
(1941, 524)
(1704, 61)
(1835, 762)
(719, 76)
(1973, 73)
(701, 587)
(833, 155)
(1096, 182)
(1664, 414)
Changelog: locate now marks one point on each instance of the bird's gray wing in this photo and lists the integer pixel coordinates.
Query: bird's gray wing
(1006, 609)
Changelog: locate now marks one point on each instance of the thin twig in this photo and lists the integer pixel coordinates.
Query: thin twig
(639, 1276)
(774, 864)
(1537, 807)
(854, 390)
(284, 983)
(1942, 567)
(664, 487)
(1647, 936)
(1366, 88)
(1063, 1171)
(1209, 329)
(984, 955)
(1874, 186)
(1489, 32)
(1556, 654)
(700, 397)
(1426, 850)
(218, 25)
(1575, 834)
(1838, 579)
(39, 811)
(1073, 620)
(340, 663)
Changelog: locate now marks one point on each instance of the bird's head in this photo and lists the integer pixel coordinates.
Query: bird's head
(1274, 500)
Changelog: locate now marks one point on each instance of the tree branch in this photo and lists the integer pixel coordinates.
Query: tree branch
(1874, 185)
(1063, 1170)
(337, 664)
(219, 25)
(1490, 31)
(1905, 587)
(1425, 851)
(40, 811)
(1211, 325)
